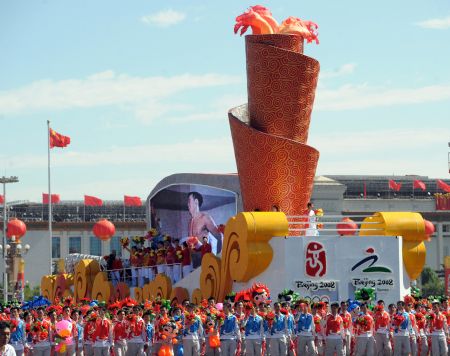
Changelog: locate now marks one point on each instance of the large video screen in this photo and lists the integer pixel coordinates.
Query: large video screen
(185, 210)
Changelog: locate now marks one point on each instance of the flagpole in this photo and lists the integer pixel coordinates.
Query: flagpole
(50, 217)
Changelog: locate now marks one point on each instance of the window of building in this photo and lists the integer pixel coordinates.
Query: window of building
(115, 246)
(74, 244)
(445, 228)
(56, 247)
(95, 246)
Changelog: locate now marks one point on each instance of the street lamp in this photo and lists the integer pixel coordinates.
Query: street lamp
(5, 180)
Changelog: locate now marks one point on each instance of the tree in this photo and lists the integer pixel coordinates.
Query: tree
(431, 284)
(29, 292)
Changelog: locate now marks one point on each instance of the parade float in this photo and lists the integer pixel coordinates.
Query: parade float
(385, 254)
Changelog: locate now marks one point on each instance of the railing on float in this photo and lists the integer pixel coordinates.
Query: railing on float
(302, 223)
(142, 274)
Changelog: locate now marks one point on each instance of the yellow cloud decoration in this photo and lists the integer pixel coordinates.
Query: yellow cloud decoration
(246, 252)
(102, 289)
(411, 226)
(85, 272)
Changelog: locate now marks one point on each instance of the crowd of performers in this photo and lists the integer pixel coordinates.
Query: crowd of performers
(165, 255)
(247, 323)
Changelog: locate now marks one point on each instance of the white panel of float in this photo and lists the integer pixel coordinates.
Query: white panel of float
(331, 268)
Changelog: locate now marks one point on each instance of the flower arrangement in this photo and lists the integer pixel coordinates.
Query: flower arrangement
(398, 320)
(125, 241)
(261, 21)
(138, 240)
(270, 316)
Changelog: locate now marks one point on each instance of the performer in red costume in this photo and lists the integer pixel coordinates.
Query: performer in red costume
(334, 332)
(103, 334)
(382, 321)
(120, 334)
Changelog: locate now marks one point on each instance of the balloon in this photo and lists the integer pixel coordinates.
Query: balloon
(219, 306)
(429, 228)
(347, 227)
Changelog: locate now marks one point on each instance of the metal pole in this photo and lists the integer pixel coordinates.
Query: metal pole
(5, 274)
(49, 201)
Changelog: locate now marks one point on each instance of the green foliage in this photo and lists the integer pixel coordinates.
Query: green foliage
(29, 292)
(431, 284)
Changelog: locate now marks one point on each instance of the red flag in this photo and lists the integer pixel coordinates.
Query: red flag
(58, 140)
(394, 186)
(92, 201)
(132, 201)
(2, 199)
(418, 184)
(55, 198)
(442, 185)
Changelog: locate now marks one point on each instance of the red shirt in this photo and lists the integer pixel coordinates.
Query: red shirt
(120, 330)
(334, 324)
(89, 329)
(102, 330)
(382, 319)
(186, 257)
(437, 322)
(346, 319)
(170, 255)
(117, 264)
(205, 248)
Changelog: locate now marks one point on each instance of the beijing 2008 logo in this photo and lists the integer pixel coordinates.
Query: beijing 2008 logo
(315, 260)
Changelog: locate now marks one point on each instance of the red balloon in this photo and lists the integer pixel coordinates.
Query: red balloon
(104, 229)
(429, 228)
(347, 227)
(16, 228)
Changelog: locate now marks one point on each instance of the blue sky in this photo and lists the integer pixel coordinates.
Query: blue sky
(143, 89)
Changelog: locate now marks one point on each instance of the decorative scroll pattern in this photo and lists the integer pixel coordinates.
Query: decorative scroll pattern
(47, 286)
(102, 289)
(85, 273)
(281, 84)
(121, 291)
(246, 252)
(160, 287)
(138, 295)
(63, 282)
(196, 296)
(275, 165)
(272, 170)
(178, 295)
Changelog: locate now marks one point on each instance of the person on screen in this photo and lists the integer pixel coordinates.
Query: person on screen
(201, 223)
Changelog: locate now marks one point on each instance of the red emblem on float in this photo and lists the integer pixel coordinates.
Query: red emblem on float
(315, 260)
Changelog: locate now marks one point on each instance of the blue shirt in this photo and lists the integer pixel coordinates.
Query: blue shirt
(254, 326)
(305, 323)
(280, 325)
(18, 336)
(230, 326)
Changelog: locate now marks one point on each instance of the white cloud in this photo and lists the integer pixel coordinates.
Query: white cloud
(436, 24)
(353, 97)
(343, 70)
(219, 150)
(218, 111)
(164, 18)
(143, 95)
(381, 151)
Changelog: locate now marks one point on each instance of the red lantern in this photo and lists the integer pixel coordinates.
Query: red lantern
(429, 228)
(16, 228)
(104, 229)
(347, 227)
